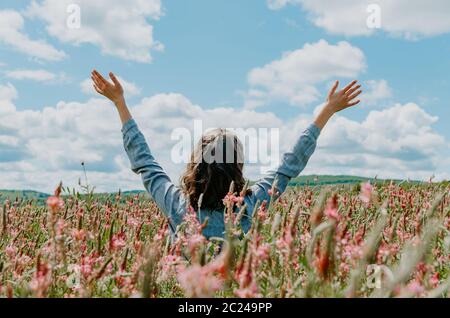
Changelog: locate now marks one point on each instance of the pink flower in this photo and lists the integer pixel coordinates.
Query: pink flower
(263, 252)
(78, 235)
(366, 192)
(132, 222)
(55, 203)
(434, 280)
(87, 266)
(273, 192)
(284, 243)
(331, 210)
(192, 222)
(170, 261)
(199, 282)
(161, 235)
(195, 241)
(248, 292)
(42, 279)
(119, 241)
(332, 214)
(11, 251)
(415, 287)
(230, 200)
(262, 211)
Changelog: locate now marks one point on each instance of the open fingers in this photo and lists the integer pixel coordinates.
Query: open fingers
(114, 79)
(100, 85)
(353, 96)
(333, 89)
(356, 102)
(99, 77)
(349, 86)
(351, 91)
(97, 80)
(97, 89)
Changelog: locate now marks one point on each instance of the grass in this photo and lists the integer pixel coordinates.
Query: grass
(345, 240)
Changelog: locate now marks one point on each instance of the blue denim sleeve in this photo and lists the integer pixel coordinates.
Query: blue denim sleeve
(292, 164)
(167, 196)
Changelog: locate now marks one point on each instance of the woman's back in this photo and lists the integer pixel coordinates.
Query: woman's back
(208, 178)
(173, 201)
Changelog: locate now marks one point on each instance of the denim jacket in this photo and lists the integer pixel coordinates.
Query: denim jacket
(173, 203)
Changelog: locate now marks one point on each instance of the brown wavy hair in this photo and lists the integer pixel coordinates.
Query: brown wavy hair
(216, 162)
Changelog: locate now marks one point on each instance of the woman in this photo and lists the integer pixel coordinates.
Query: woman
(207, 182)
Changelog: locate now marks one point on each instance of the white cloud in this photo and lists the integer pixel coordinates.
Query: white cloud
(119, 28)
(41, 147)
(395, 130)
(407, 18)
(131, 89)
(375, 91)
(279, 4)
(8, 94)
(293, 77)
(13, 35)
(397, 142)
(33, 75)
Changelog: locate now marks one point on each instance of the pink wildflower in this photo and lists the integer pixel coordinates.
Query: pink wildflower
(195, 241)
(263, 252)
(78, 235)
(434, 280)
(55, 203)
(42, 279)
(415, 287)
(199, 282)
(248, 292)
(11, 251)
(231, 199)
(331, 210)
(366, 193)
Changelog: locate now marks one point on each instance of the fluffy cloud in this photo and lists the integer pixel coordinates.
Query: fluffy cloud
(398, 141)
(278, 4)
(399, 18)
(376, 90)
(293, 77)
(13, 35)
(8, 94)
(36, 75)
(39, 148)
(45, 146)
(131, 89)
(119, 28)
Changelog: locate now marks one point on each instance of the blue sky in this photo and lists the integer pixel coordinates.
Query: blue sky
(215, 55)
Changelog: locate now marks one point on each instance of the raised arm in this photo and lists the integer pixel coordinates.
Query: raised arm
(166, 195)
(114, 92)
(295, 161)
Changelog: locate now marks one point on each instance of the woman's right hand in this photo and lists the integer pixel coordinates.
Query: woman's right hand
(338, 101)
(345, 98)
(112, 91)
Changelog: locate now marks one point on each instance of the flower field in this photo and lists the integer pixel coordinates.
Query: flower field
(381, 240)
